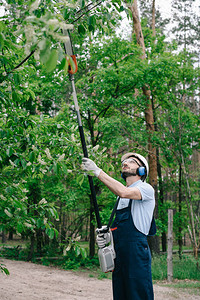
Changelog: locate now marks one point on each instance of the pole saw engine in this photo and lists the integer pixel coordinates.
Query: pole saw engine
(106, 254)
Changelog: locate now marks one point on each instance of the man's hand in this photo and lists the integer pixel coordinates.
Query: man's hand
(89, 166)
(103, 237)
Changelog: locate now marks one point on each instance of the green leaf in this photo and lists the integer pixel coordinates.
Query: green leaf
(51, 233)
(81, 29)
(92, 20)
(1, 41)
(82, 3)
(6, 271)
(39, 223)
(20, 227)
(91, 27)
(16, 78)
(45, 52)
(56, 168)
(80, 179)
(9, 190)
(62, 64)
(52, 61)
(77, 250)
(56, 232)
(2, 26)
(15, 96)
(42, 45)
(3, 269)
(32, 156)
(83, 252)
(24, 164)
(9, 151)
(64, 168)
(66, 67)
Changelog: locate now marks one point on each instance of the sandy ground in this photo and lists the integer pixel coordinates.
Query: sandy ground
(28, 281)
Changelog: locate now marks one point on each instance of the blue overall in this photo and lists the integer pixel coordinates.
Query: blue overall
(131, 277)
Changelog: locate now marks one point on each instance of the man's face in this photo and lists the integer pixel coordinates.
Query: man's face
(129, 166)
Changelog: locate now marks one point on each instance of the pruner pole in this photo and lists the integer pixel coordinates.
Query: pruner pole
(69, 51)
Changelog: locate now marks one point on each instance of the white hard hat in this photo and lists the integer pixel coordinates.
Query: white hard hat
(139, 157)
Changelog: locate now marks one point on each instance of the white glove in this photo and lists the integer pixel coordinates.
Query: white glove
(102, 238)
(88, 165)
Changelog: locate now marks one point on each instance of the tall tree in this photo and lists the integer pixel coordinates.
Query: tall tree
(148, 112)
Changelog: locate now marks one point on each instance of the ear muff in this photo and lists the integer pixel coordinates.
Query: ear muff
(141, 171)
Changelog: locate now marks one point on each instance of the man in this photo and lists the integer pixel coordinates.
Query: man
(131, 277)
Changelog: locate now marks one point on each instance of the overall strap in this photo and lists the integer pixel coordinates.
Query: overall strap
(113, 212)
(130, 202)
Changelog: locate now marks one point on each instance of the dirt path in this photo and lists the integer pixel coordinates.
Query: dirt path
(28, 281)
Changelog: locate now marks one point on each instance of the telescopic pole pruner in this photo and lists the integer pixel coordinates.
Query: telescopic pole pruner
(69, 51)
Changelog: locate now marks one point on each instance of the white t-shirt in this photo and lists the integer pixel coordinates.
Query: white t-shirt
(141, 210)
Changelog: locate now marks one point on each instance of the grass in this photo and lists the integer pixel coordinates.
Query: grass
(17, 241)
(186, 268)
(188, 286)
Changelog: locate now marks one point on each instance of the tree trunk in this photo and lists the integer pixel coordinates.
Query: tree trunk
(39, 239)
(137, 26)
(30, 255)
(170, 246)
(148, 116)
(180, 242)
(192, 232)
(92, 229)
(161, 198)
(10, 235)
(153, 21)
(3, 239)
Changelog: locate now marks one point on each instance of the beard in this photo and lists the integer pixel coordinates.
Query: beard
(129, 173)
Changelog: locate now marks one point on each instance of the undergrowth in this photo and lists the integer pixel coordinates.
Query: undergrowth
(186, 268)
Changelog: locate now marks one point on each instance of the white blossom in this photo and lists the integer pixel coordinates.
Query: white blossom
(43, 201)
(33, 147)
(47, 151)
(12, 163)
(35, 5)
(41, 161)
(61, 157)
(96, 148)
(2, 197)
(72, 137)
(27, 224)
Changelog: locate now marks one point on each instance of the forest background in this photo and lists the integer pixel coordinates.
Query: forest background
(137, 91)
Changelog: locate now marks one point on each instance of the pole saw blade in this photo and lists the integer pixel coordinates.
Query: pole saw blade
(71, 58)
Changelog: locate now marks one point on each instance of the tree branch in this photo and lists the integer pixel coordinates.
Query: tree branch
(24, 60)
